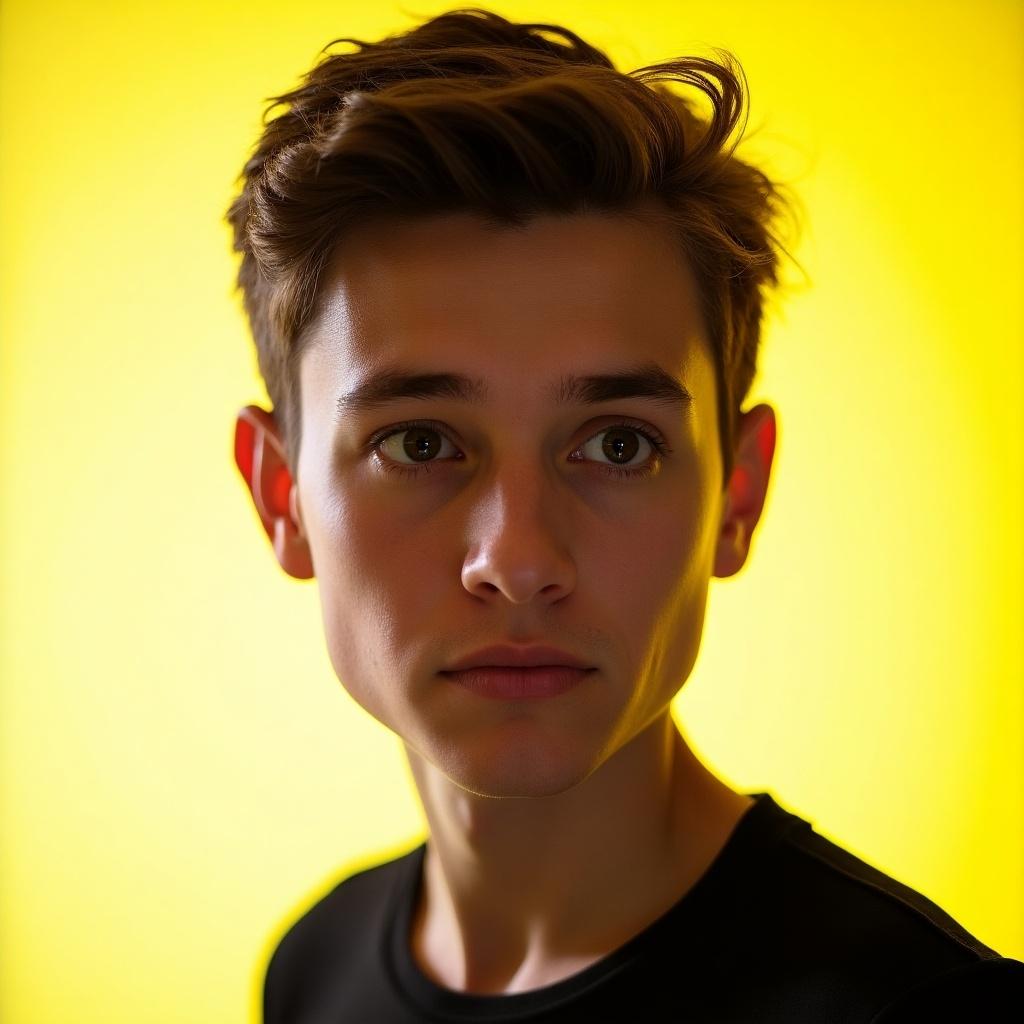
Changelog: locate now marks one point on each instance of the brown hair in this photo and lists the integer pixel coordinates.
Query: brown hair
(469, 111)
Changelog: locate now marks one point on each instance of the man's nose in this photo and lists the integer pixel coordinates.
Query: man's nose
(520, 539)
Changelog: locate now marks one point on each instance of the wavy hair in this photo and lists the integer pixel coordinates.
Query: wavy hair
(471, 112)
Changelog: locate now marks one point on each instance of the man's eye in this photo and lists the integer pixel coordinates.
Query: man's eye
(422, 442)
(621, 445)
(419, 442)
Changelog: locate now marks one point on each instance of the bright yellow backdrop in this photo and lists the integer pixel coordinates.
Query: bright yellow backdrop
(182, 772)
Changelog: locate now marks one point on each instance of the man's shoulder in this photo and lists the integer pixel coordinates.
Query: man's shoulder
(335, 936)
(837, 928)
(840, 897)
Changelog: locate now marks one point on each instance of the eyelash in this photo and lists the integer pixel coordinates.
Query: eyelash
(649, 433)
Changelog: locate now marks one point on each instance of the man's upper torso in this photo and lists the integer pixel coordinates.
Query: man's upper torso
(785, 927)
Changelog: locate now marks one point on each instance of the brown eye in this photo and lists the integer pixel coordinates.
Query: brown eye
(419, 443)
(618, 444)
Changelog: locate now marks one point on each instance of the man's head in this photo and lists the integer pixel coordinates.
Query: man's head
(525, 221)
(471, 112)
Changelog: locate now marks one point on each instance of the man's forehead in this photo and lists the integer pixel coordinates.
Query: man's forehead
(588, 282)
(370, 361)
(449, 263)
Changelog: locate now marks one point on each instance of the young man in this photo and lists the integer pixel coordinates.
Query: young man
(507, 302)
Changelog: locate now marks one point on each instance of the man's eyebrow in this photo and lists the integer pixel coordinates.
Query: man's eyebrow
(646, 380)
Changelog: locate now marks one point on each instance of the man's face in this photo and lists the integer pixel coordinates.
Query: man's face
(515, 527)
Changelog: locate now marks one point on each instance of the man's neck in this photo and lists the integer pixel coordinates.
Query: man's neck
(520, 893)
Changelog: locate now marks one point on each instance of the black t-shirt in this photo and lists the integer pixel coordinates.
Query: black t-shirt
(784, 927)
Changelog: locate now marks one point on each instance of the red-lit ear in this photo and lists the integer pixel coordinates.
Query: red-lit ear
(746, 490)
(260, 457)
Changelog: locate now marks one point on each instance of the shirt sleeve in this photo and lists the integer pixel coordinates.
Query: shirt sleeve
(981, 992)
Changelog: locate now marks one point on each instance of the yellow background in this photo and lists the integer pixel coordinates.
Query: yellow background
(181, 771)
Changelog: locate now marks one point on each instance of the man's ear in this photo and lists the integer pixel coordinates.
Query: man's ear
(261, 459)
(746, 489)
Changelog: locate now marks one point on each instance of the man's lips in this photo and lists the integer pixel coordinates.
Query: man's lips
(518, 656)
(504, 682)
